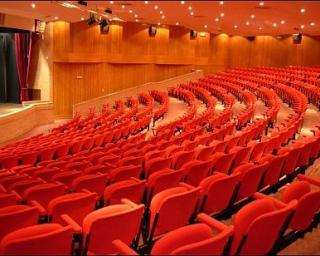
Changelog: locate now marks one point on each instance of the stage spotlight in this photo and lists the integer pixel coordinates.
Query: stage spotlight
(108, 10)
(81, 2)
(92, 19)
(104, 25)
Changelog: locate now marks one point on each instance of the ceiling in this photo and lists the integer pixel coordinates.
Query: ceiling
(232, 17)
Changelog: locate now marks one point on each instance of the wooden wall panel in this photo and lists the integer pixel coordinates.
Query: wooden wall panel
(88, 63)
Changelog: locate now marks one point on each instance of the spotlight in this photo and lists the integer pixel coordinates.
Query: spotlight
(108, 10)
(81, 2)
(92, 19)
(104, 25)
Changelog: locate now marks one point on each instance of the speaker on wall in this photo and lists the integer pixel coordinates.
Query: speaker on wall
(297, 38)
(193, 34)
(152, 31)
(251, 38)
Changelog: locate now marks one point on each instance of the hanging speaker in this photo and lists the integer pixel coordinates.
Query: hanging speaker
(193, 34)
(297, 38)
(251, 38)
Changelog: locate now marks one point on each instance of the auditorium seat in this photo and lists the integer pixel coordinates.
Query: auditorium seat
(194, 171)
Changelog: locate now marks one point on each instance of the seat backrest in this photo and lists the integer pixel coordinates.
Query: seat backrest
(44, 193)
(7, 199)
(308, 203)
(92, 182)
(125, 172)
(195, 239)
(195, 171)
(15, 217)
(259, 223)
(169, 201)
(131, 189)
(41, 239)
(76, 205)
(122, 222)
(218, 191)
(156, 164)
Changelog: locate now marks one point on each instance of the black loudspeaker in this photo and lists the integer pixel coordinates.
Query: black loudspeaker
(251, 38)
(297, 38)
(104, 26)
(193, 34)
(152, 31)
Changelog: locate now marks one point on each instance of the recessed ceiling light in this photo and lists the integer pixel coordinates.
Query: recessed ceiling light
(282, 22)
(177, 23)
(123, 6)
(222, 14)
(130, 11)
(111, 2)
(312, 24)
(182, 2)
(302, 26)
(252, 16)
(33, 5)
(161, 12)
(221, 2)
(137, 20)
(136, 15)
(235, 26)
(56, 17)
(274, 24)
(163, 17)
(302, 10)
(159, 23)
(260, 28)
(247, 23)
(156, 7)
(82, 18)
(191, 13)
(205, 26)
(146, 2)
(216, 19)
(190, 8)
(261, 3)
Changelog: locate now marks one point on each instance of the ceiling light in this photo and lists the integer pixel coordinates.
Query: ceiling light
(216, 19)
(182, 2)
(33, 5)
(156, 7)
(302, 10)
(274, 24)
(159, 23)
(111, 2)
(130, 11)
(191, 13)
(302, 26)
(252, 16)
(312, 24)
(82, 18)
(161, 12)
(69, 5)
(205, 26)
(146, 2)
(261, 3)
(163, 17)
(222, 14)
(56, 17)
(136, 15)
(123, 6)
(177, 23)
(221, 2)
(190, 8)
(202, 34)
(260, 28)
(136, 20)
(282, 22)
(235, 26)
(247, 23)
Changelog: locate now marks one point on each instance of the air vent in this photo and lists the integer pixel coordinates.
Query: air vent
(262, 7)
(198, 16)
(125, 4)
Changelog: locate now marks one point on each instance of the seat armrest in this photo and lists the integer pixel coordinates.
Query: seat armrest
(213, 223)
(40, 208)
(75, 226)
(122, 248)
(309, 179)
(278, 203)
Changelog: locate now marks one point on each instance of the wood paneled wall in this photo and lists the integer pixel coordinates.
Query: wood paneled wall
(88, 63)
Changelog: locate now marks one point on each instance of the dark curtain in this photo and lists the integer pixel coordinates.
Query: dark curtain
(9, 82)
(23, 51)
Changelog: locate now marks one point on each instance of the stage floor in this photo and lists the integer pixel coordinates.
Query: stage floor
(10, 108)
